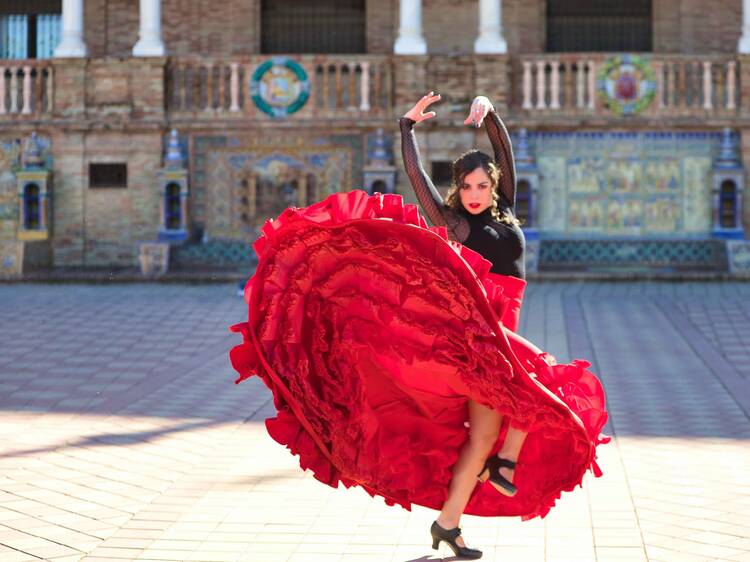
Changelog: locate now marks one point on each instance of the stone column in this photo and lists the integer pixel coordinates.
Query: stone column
(491, 40)
(71, 43)
(149, 38)
(410, 39)
(744, 43)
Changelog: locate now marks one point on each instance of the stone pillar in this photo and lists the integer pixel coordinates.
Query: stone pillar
(149, 38)
(743, 46)
(410, 40)
(71, 44)
(490, 40)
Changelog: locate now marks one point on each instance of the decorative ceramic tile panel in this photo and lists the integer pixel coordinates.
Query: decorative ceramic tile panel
(631, 184)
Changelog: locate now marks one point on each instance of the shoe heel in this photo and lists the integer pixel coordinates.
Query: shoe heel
(435, 544)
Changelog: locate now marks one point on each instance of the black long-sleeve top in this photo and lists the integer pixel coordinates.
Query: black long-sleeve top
(501, 243)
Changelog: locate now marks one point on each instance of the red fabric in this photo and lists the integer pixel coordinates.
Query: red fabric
(372, 330)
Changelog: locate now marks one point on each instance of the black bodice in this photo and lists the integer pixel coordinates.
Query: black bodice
(501, 243)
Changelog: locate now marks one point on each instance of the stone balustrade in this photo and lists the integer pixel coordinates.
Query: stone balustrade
(339, 87)
(26, 88)
(573, 83)
(691, 85)
(554, 89)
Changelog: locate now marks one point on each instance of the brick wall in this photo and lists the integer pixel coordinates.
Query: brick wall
(68, 199)
(118, 21)
(100, 227)
(189, 27)
(523, 25)
(203, 27)
(117, 219)
(95, 28)
(382, 25)
(693, 26)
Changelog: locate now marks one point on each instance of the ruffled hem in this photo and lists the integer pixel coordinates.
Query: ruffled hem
(372, 330)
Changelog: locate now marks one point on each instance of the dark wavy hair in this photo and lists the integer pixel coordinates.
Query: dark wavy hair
(463, 166)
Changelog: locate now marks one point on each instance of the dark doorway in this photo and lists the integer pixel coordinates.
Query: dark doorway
(599, 26)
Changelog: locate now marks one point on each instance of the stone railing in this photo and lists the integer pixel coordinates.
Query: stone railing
(347, 87)
(26, 88)
(571, 84)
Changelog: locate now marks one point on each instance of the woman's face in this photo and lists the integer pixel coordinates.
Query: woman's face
(476, 191)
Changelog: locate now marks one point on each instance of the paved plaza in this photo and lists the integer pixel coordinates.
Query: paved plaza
(123, 437)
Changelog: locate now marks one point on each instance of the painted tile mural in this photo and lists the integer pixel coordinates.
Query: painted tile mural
(552, 202)
(625, 183)
(10, 150)
(244, 181)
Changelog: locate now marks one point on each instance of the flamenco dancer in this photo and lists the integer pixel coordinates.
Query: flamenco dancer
(381, 337)
(478, 213)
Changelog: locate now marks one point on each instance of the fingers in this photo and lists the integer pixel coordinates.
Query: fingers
(417, 112)
(477, 112)
(425, 116)
(429, 99)
(422, 103)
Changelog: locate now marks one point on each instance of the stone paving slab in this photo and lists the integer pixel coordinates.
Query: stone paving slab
(122, 436)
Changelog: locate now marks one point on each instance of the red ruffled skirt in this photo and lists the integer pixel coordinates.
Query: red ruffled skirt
(373, 331)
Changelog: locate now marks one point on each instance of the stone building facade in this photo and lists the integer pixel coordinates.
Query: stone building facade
(632, 129)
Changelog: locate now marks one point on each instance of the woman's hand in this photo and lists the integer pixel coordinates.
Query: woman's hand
(417, 114)
(480, 107)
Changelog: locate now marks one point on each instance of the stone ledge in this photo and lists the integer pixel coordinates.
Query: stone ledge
(132, 275)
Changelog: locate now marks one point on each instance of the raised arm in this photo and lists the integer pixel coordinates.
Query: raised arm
(427, 194)
(482, 110)
(503, 149)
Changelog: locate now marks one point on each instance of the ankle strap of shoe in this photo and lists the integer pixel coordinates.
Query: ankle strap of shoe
(448, 534)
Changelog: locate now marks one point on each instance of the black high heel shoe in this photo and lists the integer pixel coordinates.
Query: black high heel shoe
(450, 536)
(492, 466)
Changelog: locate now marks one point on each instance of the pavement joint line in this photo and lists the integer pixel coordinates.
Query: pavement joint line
(26, 532)
(734, 383)
(575, 310)
(151, 385)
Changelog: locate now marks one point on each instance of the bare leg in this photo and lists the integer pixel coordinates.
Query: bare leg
(511, 448)
(484, 427)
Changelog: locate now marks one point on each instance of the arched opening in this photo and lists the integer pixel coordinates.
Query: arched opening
(32, 207)
(523, 202)
(378, 186)
(172, 207)
(728, 204)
